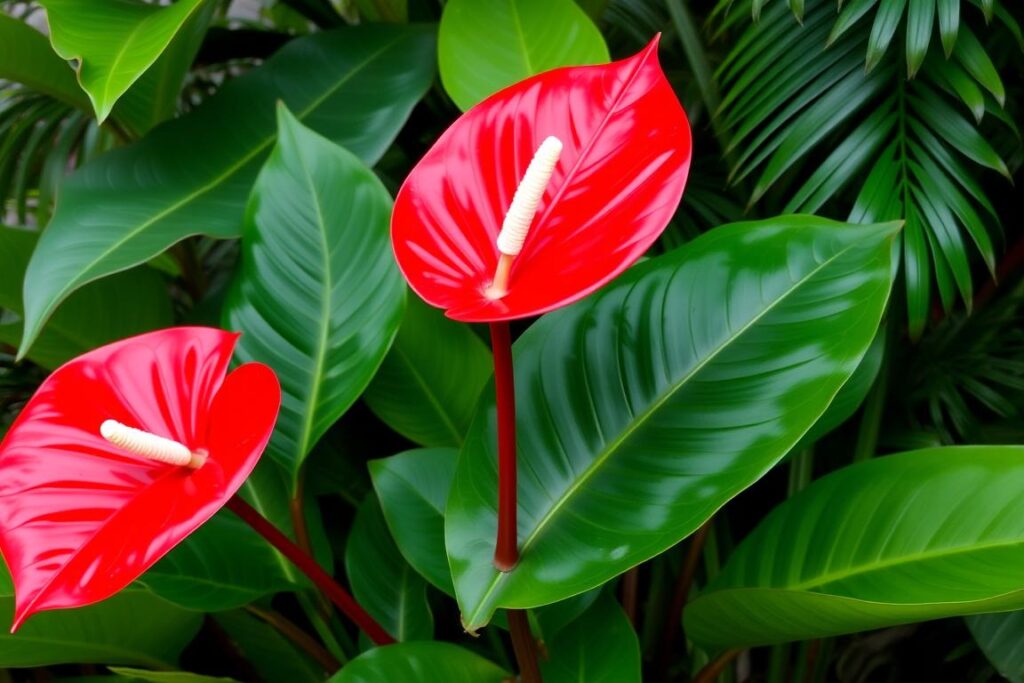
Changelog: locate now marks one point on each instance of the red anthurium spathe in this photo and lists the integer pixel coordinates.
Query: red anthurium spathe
(619, 159)
(81, 517)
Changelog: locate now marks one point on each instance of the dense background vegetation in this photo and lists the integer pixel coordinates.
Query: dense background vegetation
(872, 111)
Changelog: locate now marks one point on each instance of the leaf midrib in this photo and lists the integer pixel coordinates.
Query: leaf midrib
(192, 196)
(642, 418)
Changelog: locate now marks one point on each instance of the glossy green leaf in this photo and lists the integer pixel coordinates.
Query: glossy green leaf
(486, 46)
(949, 23)
(113, 42)
(131, 204)
(646, 407)
(975, 60)
(413, 490)
(146, 676)
(26, 57)
(274, 657)
(851, 13)
(920, 17)
(132, 627)
(318, 295)
(1001, 638)
(427, 662)
(114, 308)
(382, 581)
(902, 538)
(428, 385)
(601, 647)
(222, 565)
(886, 20)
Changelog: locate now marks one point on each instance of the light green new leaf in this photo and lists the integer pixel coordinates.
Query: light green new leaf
(428, 385)
(922, 535)
(114, 308)
(133, 627)
(113, 41)
(1001, 638)
(26, 57)
(644, 408)
(354, 85)
(486, 46)
(601, 647)
(382, 581)
(425, 662)
(318, 296)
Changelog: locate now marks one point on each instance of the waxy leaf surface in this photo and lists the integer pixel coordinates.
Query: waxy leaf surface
(421, 662)
(902, 538)
(617, 183)
(193, 175)
(645, 408)
(81, 518)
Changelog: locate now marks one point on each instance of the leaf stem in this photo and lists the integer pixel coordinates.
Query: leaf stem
(298, 637)
(524, 646)
(506, 550)
(630, 589)
(717, 666)
(679, 597)
(324, 581)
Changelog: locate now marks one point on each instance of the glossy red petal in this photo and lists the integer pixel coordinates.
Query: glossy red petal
(619, 179)
(80, 518)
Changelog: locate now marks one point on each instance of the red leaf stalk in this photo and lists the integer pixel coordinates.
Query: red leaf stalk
(506, 550)
(324, 581)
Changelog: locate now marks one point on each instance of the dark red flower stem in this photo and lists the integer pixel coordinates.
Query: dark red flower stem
(324, 581)
(506, 550)
(524, 645)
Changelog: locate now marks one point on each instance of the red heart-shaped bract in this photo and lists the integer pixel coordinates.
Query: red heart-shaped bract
(617, 183)
(80, 518)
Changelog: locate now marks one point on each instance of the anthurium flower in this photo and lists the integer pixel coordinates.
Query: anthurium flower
(610, 152)
(83, 511)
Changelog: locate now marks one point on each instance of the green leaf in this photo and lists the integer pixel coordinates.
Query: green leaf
(851, 13)
(26, 57)
(428, 662)
(975, 60)
(601, 647)
(273, 656)
(382, 581)
(133, 203)
(222, 565)
(949, 23)
(146, 676)
(922, 535)
(113, 41)
(999, 637)
(413, 490)
(646, 407)
(920, 17)
(428, 385)
(114, 308)
(485, 46)
(132, 627)
(886, 20)
(318, 295)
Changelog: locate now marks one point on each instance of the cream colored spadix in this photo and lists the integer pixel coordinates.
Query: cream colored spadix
(522, 211)
(150, 446)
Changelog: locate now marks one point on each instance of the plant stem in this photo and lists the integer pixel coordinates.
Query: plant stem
(324, 581)
(506, 550)
(524, 646)
(298, 637)
(630, 588)
(717, 666)
(679, 597)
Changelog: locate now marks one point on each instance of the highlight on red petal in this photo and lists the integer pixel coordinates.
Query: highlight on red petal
(623, 164)
(81, 518)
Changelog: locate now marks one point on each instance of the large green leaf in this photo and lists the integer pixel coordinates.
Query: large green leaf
(485, 46)
(382, 581)
(222, 565)
(146, 676)
(428, 385)
(644, 408)
(113, 42)
(1000, 637)
(120, 306)
(318, 295)
(354, 85)
(133, 627)
(426, 662)
(601, 647)
(921, 535)
(413, 490)
(26, 57)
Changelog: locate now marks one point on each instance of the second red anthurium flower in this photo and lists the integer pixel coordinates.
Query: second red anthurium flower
(599, 155)
(82, 513)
